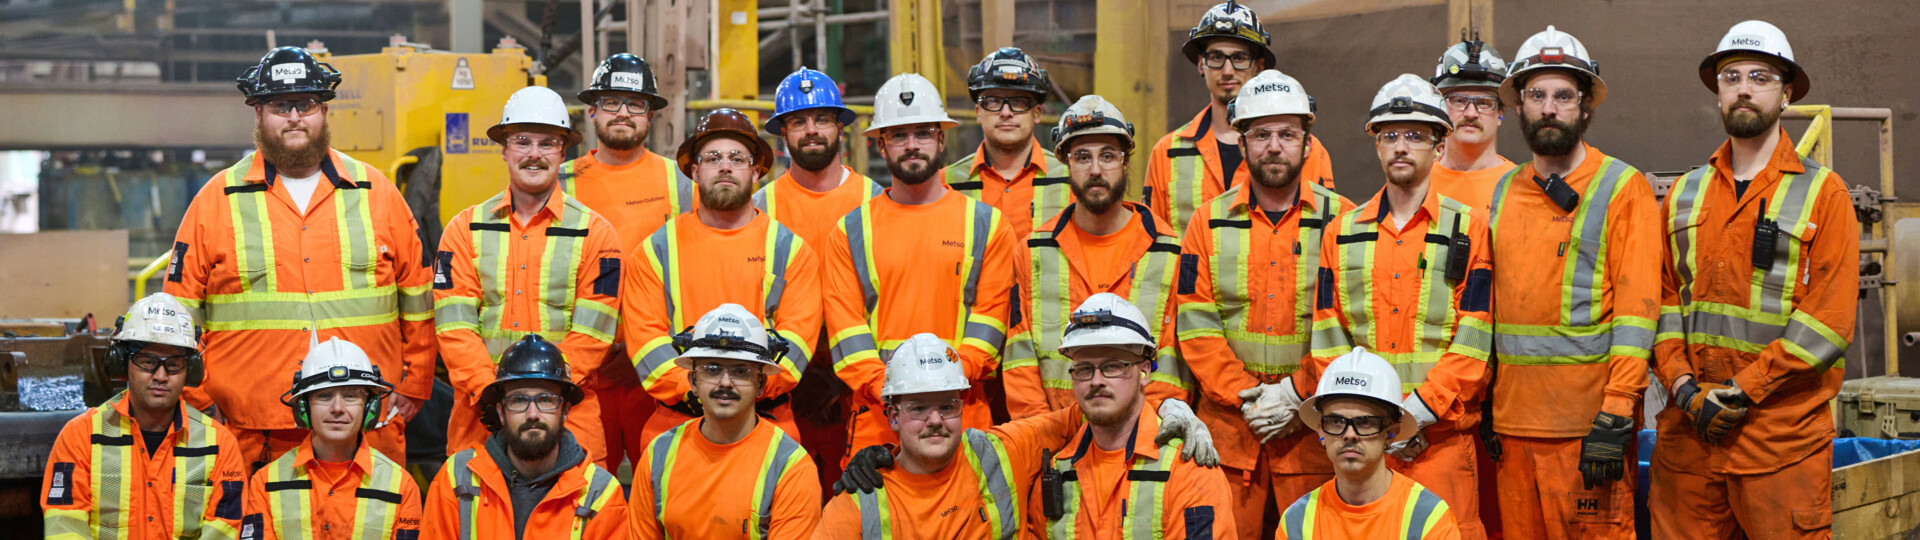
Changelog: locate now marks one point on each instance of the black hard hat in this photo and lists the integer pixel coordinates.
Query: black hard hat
(624, 72)
(1229, 20)
(530, 359)
(288, 70)
(1009, 68)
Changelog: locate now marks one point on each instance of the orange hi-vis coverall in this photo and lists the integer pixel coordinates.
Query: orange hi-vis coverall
(1408, 510)
(103, 481)
(1242, 324)
(298, 496)
(1140, 491)
(814, 215)
(1034, 195)
(1778, 332)
(1183, 171)
(764, 486)
(979, 494)
(688, 268)
(1139, 262)
(260, 274)
(1578, 294)
(894, 270)
(472, 498)
(499, 279)
(1395, 291)
(1474, 188)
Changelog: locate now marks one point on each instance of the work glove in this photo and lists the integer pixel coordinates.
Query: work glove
(1408, 448)
(1270, 409)
(1490, 439)
(688, 405)
(1603, 453)
(1177, 421)
(862, 473)
(1715, 408)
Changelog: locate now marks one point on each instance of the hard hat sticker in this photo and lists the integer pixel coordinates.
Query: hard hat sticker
(287, 72)
(1352, 379)
(629, 80)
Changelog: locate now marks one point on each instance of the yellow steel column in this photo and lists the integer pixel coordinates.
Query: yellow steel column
(916, 46)
(1129, 69)
(736, 50)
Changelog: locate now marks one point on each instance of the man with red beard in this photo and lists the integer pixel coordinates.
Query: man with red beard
(1577, 304)
(1099, 243)
(1469, 75)
(529, 261)
(1756, 312)
(725, 252)
(298, 238)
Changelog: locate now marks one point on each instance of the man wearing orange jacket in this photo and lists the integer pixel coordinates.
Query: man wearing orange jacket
(530, 260)
(920, 258)
(1407, 276)
(1198, 161)
(145, 465)
(1757, 309)
(1011, 171)
(1100, 244)
(1244, 325)
(637, 191)
(293, 239)
(1575, 325)
(726, 252)
(1469, 75)
(531, 479)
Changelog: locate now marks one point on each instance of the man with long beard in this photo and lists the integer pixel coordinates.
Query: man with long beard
(1469, 74)
(1099, 243)
(1243, 325)
(1578, 299)
(529, 261)
(920, 258)
(1756, 311)
(531, 479)
(725, 252)
(1011, 171)
(299, 238)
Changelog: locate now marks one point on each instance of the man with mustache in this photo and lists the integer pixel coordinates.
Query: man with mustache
(529, 261)
(919, 258)
(1200, 160)
(1577, 306)
(1011, 171)
(1406, 276)
(637, 191)
(531, 479)
(1757, 308)
(1357, 411)
(724, 252)
(729, 474)
(1101, 243)
(1243, 325)
(333, 485)
(145, 465)
(293, 239)
(1469, 74)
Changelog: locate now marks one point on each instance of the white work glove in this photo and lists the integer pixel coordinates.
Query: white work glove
(1177, 421)
(1408, 448)
(1270, 409)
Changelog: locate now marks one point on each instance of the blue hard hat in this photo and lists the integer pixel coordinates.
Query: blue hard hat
(806, 89)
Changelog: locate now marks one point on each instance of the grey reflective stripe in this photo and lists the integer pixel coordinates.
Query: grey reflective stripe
(653, 359)
(466, 490)
(566, 178)
(1581, 345)
(1294, 521)
(874, 514)
(1589, 235)
(558, 274)
(682, 189)
(663, 448)
(780, 252)
(1051, 305)
(852, 345)
(1183, 181)
(377, 517)
(254, 256)
(982, 232)
(770, 481)
(290, 506)
(760, 198)
(856, 227)
(661, 242)
(1680, 215)
(190, 504)
(1790, 211)
(590, 498)
(109, 470)
(873, 189)
(995, 488)
(1424, 504)
(1051, 200)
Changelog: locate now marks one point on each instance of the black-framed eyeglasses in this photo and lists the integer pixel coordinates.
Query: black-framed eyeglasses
(713, 372)
(295, 107)
(1111, 370)
(546, 402)
(1217, 60)
(151, 363)
(1484, 104)
(1019, 104)
(1364, 426)
(922, 410)
(1758, 79)
(633, 106)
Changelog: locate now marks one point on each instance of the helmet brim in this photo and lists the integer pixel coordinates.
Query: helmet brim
(589, 97)
(686, 359)
(1193, 47)
(499, 132)
(1510, 87)
(762, 152)
(776, 124)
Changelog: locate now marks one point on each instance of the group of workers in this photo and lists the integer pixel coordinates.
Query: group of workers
(679, 315)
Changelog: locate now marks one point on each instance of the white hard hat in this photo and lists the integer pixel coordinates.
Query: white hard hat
(534, 105)
(333, 363)
(1552, 49)
(1761, 38)
(1269, 93)
(1107, 320)
(923, 363)
(1364, 374)
(1409, 98)
(729, 332)
(908, 99)
(159, 318)
(1092, 115)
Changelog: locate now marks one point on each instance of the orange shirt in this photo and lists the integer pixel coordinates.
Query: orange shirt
(335, 497)
(68, 494)
(637, 197)
(1157, 191)
(1013, 197)
(1273, 310)
(920, 259)
(1383, 518)
(1472, 187)
(554, 517)
(713, 267)
(1791, 419)
(246, 369)
(1194, 498)
(1532, 245)
(709, 489)
(814, 215)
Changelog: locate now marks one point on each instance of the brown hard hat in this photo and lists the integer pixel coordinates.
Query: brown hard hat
(726, 123)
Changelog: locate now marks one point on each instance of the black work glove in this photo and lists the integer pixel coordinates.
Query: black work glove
(1603, 453)
(862, 473)
(689, 406)
(1490, 439)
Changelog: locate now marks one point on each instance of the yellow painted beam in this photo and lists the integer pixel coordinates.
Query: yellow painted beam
(736, 45)
(915, 46)
(1138, 88)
